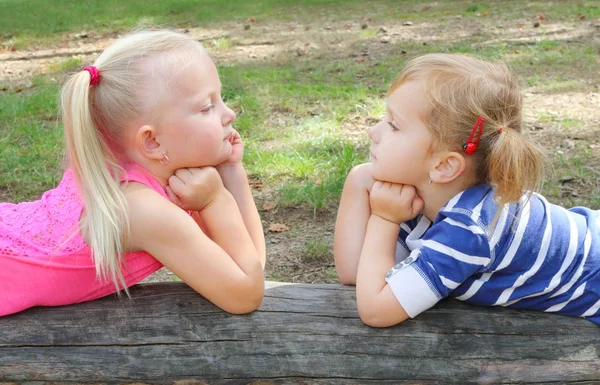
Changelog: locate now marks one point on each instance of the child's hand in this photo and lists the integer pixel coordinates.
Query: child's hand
(395, 203)
(237, 148)
(194, 188)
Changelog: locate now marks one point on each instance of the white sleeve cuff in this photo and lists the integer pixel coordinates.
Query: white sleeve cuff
(414, 293)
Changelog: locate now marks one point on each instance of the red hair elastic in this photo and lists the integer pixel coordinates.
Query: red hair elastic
(471, 145)
(94, 74)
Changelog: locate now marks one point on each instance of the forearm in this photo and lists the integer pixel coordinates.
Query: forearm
(350, 228)
(236, 181)
(377, 305)
(226, 228)
(377, 257)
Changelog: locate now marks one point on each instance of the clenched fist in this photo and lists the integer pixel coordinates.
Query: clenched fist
(195, 188)
(395, 203)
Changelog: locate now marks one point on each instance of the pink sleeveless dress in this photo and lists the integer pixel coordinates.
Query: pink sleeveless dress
(44, 260)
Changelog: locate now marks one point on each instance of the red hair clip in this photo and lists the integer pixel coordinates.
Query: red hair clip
(471, 145)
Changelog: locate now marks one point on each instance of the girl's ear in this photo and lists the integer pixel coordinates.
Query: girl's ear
(148, 143)
(448, 167)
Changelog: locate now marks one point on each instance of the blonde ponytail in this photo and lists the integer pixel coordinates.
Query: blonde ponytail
(104, 220)
(134, 73)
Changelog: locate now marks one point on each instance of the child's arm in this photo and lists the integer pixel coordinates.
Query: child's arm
(234, 178)
(391, 204)
(226, 269)
(351, 223)
(236, 181)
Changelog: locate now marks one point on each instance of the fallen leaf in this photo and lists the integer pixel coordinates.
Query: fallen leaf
(278, 228)
(484, 13)
(257, 185)
(252, 20)
(536, 24)
(581, 17)
(268, 206)
(541, 17)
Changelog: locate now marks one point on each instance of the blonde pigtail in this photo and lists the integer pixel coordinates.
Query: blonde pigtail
(515, 165)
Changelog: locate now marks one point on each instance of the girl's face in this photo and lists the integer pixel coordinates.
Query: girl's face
(401, 142)
(194, 122)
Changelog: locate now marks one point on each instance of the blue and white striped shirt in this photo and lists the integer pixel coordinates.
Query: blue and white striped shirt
(538, 256)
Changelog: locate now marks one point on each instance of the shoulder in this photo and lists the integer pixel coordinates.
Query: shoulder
(472, 202)
(153, 218)
(461, 234)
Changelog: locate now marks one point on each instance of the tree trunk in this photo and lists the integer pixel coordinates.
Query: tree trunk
(302, 334)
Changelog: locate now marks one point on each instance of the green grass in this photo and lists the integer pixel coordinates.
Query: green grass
(30, 141)
(27, 22)
(66, 65)
(294, 114)
(574, 179)
(317, 250)
(221, 43)
(33, 22)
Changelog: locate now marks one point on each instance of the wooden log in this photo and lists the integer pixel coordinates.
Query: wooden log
(302, 334)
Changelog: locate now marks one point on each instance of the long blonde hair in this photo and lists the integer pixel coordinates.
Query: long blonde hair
(460, 89)
(134, 72)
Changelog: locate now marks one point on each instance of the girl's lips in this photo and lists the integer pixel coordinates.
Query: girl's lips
(228, 136)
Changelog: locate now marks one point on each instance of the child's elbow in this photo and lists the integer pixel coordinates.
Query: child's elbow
(373, 316)
(346, 274)
(243, 308)
(373, 319)
(346, 278)
(249, 299)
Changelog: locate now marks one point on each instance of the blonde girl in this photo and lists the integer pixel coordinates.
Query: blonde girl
(446, 206)
(155, 178)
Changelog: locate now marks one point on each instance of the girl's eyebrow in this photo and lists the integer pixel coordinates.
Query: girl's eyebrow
(206, 93)
(396, 116)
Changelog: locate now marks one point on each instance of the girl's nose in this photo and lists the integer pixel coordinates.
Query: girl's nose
(228, 116)
(374, 132)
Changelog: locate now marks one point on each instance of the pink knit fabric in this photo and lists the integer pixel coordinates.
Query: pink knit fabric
(44, 260)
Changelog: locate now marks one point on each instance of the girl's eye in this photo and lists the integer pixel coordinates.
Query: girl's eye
(393, 125)
(207, 108)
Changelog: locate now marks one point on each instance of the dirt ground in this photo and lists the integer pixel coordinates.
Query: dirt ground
(256, 42)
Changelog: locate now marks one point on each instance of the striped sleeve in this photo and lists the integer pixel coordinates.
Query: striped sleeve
(453, 249)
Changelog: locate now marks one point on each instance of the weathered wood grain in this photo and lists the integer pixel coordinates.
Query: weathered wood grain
(302, 334)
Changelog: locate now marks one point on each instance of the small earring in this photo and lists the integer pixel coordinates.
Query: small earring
(430, 181)
(166, 160)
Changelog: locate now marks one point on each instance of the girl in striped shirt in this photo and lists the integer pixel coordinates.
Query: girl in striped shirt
(446, 206)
